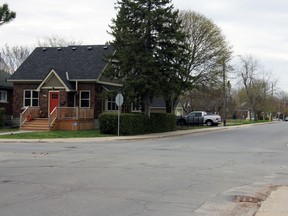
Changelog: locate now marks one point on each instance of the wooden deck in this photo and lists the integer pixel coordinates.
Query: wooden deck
(61, 118)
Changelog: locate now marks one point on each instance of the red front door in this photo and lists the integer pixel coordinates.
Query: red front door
(54, 100)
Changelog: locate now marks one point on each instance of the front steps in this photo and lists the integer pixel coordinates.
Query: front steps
(37, 124)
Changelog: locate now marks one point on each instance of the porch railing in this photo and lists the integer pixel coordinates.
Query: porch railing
(52, 117)
(57, 113)
(70, 113)
(75, 113)
(33, 112)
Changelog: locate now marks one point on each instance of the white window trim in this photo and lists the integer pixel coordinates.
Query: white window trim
(80, 98)
(31, 98)
(5, 94)
(110, 100)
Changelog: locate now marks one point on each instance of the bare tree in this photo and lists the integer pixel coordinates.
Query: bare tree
(13, 57)
(209, 48)
(256, 83)
(282, 104)
(57, 41)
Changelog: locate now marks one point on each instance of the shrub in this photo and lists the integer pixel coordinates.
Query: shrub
(136, 123)
(162, 122)
(107, 122)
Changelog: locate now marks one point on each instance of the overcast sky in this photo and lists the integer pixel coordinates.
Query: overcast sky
(253, 27)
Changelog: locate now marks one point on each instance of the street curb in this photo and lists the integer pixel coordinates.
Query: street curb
(123, 138)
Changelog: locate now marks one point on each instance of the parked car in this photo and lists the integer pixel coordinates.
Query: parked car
(286, 118)
(199, 118)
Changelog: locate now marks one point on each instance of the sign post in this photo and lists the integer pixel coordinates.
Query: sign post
(119, 101)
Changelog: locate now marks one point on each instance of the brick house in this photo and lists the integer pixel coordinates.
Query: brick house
(62, 83)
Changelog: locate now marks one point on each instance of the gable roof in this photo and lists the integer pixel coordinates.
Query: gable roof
(52, 79)
(70, 63)
(3, 80)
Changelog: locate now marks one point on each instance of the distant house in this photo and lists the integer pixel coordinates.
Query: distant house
(6, 93)
(62, 83)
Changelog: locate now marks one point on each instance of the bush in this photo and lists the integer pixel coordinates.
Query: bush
(162, 122)
(107, 123)
(2, 115)
(136, 123)
(132, 124)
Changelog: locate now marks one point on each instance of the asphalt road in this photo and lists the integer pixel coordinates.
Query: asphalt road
(196, 174)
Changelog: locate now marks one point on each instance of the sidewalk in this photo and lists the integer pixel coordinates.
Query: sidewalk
(111, 138)
(276, 204)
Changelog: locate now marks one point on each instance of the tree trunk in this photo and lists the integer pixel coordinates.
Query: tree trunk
(147, 104)
(168, 104)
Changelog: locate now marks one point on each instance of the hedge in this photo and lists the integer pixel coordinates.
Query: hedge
(136, 123)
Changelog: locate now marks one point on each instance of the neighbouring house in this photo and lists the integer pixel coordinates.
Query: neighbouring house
(6, 92)
(6, 96)
(62, 86)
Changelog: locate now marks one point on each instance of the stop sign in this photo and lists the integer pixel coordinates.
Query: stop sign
(119, 99)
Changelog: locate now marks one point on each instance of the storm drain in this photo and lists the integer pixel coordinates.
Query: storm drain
(247, 199)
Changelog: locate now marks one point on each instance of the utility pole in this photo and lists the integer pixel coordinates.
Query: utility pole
(270, 118)
(224, 93)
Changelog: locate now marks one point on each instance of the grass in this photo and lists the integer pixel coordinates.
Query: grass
(96, 133)
(235, 122)
(53, 134)
(229, 122)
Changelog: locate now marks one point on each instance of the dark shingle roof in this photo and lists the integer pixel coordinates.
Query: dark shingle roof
(81, 62)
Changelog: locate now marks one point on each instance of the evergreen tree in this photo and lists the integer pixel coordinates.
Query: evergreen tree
(5, 14)
(150, 48)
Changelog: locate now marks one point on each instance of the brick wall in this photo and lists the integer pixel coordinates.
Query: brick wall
(18, 97)
(66, 98)
(95, 96)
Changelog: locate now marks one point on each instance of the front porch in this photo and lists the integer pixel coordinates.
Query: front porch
(61, 118)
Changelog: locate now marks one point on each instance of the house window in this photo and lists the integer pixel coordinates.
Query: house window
(111, 105)
(3, 96)
(31, 98)
(136, 105)
(85, 99)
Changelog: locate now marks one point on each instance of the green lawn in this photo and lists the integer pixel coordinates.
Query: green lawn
(233, 122)
(53, 134)
(95, 133)
(229, 122)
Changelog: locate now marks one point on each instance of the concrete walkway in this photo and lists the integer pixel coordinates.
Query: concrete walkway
(276, 204)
